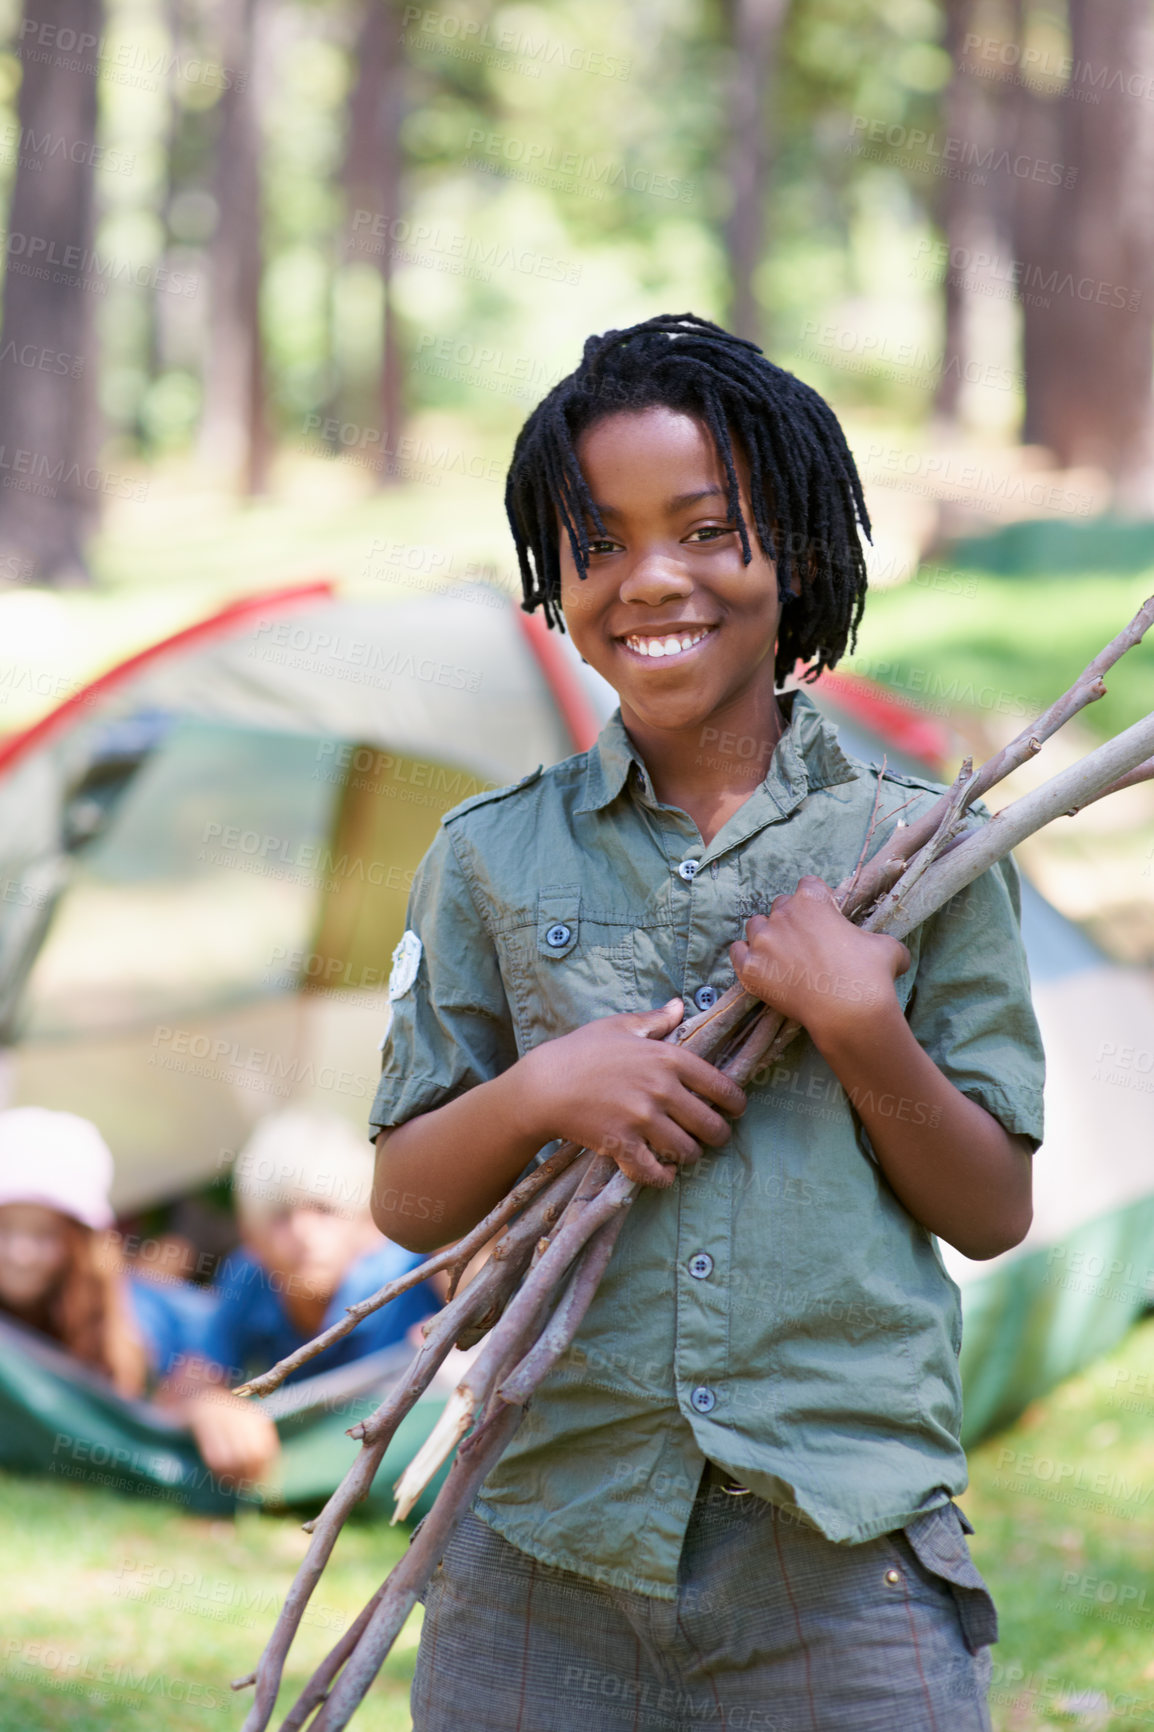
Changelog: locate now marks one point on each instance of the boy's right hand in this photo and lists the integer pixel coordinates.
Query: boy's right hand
(617, 1087)
(233, 1436)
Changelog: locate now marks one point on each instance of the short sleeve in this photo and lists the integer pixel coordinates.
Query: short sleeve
(970, 1007)
(451, 1028)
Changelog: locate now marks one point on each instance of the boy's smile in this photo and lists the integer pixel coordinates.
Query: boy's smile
(668, 612)
(673, 643)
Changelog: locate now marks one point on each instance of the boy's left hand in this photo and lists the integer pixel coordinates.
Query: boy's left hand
(805, 959)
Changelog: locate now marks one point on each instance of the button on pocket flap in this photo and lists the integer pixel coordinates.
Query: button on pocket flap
(940, 1543)
(558, 920)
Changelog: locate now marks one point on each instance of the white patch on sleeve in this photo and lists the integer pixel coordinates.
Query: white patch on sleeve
(406, 961)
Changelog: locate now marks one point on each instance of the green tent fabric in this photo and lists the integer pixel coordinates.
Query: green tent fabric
(1038, 1318)
(60, 1420)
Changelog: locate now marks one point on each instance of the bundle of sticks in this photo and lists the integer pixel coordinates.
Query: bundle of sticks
(558, 1227)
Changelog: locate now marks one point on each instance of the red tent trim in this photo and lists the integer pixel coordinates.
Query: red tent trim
(216, 625)
(576, 710)
(903, 728)
(864, 700)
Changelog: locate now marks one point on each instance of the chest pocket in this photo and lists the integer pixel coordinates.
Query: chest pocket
(558, 921)
(573, 965)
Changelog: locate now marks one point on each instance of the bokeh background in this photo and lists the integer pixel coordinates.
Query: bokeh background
(282, 280)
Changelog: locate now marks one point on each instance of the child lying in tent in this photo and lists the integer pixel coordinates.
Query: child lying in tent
(60, 1273)
(309, 1249)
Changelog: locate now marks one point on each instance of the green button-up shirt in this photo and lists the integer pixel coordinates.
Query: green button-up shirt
(776, 1311)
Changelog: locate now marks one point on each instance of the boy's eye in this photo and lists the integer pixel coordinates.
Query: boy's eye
(710, 531)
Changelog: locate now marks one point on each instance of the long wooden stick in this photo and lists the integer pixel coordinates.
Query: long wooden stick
(454, 1256)
(496, 1277)
(386, 1613)
(976, 852)
(514, 1334)
(768, 1036)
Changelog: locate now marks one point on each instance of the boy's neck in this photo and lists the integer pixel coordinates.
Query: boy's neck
(709, 770)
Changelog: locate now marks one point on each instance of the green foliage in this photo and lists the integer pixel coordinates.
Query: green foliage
(1018, 639)
(986, 654)
(564, 169)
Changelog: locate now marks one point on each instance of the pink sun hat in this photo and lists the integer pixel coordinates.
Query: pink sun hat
(57, 1159)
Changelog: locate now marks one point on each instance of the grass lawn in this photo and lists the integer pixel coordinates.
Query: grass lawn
(1063, 1507)
(123, 1616)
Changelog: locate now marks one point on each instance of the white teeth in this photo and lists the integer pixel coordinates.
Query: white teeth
(664, 646)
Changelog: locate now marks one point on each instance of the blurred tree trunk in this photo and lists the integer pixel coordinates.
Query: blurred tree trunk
(234, 433)
(754, 28)
(1086, 252)
(170, 14)
(373, 182)
(975, 220)
(49, 434)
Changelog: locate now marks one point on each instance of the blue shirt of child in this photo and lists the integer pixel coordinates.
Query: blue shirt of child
(251, 1329)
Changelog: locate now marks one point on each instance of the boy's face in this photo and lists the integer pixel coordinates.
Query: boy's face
(311, 1248)
(669, 576)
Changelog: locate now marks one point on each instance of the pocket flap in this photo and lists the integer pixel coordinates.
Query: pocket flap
(558, 920)
(939, 1541)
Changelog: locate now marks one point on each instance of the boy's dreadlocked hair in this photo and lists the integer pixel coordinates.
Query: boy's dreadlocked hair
(804, 489)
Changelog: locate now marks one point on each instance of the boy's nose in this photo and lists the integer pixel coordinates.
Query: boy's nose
(656, 578)
(306, 1227)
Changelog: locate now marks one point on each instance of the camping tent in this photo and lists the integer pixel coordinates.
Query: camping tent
(206, 856)
(204, 863)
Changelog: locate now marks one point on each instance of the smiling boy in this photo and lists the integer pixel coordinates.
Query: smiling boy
(731, 1502)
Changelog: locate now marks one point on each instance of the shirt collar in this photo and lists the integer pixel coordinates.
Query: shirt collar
(806, 757)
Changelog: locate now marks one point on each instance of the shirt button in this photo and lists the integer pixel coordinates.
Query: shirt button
(701, 1265)
(705, 997)
(688, 870)
(703, 1399)
(558, 935)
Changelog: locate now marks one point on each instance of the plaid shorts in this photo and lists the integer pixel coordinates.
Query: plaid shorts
(774, 1629)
